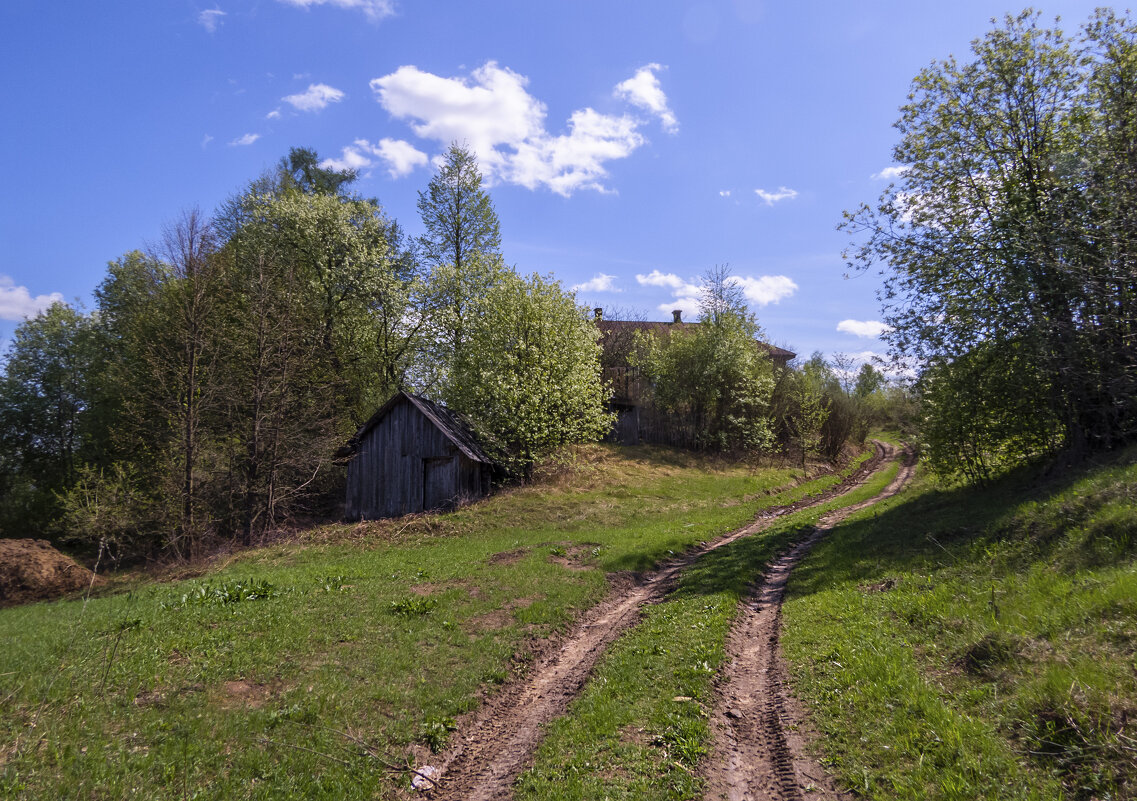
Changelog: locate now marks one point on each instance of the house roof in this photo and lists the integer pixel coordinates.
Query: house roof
(456, 428)
(615, 327)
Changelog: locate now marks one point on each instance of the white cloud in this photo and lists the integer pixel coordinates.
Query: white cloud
(315, 98)
(889, 173)
(765, 289)
(17, 303)
(356, 156)
(863, 328)
(761, 291)
(205, 140)
(598, 283)
(247, 139)
(210, 19)
(687, 304)
(724, 193)
(401, 157)
(770, 198)
(643, 90)
(575, 161)
(670, 280)
(273, 115)
(374, 9)
(494, 114)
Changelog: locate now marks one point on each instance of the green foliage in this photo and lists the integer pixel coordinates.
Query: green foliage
(412, 606)
(462, 247)
(983, 412)
(109, 506)
(528, 372)
(458, 214)
(223, 593)
(301, 170)
(1010, 236)
(436, 730)
(44, 394)
(713, 377)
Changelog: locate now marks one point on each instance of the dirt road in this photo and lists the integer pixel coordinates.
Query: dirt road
(493, 745)
(759, 748)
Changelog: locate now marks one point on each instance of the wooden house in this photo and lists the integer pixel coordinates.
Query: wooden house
(413, 455)
(636, 418)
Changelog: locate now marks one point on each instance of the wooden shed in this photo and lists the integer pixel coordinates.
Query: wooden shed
(414, 455)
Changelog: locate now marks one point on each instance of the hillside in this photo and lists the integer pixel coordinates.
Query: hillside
(316, 668)
(978, 643)
(946, 643)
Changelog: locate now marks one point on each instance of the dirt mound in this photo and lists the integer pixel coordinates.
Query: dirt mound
(32, 570)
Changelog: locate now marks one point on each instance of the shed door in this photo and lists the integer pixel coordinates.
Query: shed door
(439, 482)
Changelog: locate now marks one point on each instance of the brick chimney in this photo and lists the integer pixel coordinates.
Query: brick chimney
(599, 312)
(677, 314)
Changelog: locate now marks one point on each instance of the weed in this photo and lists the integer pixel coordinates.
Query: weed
(223, 593)
(335, 583)
(683, 739)
(436, 730)
(412, 606)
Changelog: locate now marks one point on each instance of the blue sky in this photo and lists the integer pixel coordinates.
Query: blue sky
(629, 145)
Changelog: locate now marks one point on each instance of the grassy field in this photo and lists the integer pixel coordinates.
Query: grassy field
(316, 667)
(977, 643)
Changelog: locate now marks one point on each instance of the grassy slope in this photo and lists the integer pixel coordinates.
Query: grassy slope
(977, 643)
(382, 632)
(627, 737)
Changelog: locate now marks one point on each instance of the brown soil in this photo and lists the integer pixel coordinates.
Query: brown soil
(32, 570)
(508, 557)
(241, 693)
(760, 732)
(493, 744)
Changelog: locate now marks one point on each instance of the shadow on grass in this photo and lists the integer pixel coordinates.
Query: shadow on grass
(1009, 605)
(940, 527)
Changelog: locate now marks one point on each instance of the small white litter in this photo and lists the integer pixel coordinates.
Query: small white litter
(425, 777)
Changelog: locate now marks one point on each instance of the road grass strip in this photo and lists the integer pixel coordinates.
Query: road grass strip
(979, 642)
(317, 667)
(641, 726)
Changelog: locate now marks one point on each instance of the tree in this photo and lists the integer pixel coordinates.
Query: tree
(322, 330)
(462, 247)
(713, 377)
(1011, 231)
(457, 213)
(529, 375)
(812, 406)
(44, 396)
(301, 170)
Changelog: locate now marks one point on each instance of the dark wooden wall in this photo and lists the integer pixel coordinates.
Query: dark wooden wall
(406, 464)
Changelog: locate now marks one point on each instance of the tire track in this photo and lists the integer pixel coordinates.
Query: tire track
(494, 744)
(758, 751)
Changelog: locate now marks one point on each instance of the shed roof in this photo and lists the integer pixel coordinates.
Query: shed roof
(456, 428)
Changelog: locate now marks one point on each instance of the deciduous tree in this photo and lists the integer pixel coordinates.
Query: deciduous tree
(1011, 232)
(529, 375)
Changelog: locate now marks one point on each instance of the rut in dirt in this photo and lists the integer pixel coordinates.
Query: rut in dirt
(759, 741)
(494, 744)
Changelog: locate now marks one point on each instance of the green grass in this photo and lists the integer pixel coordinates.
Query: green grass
(310, 668)
(977, 642)
(627, 737)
